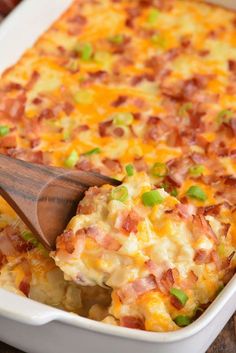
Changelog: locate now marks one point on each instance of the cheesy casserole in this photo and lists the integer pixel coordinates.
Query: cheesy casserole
(142, 91)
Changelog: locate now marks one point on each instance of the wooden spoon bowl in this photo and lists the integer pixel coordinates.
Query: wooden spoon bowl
(44, 197)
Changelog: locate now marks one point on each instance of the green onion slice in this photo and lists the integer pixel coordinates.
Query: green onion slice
(120, 193)
(73, 158)
(85, 50)
(182, 320)
(196, 170)
(158, 40)
(152, 198)
(30, 238)
(153, 16)
(129, 169)
(183, 110)
(179, 294)
(195, 192)
(124, 118)
(83, 97)
(4, 130)
(174, 192)
(224, 116)
(93, 151)
(220, 288)
(117, 39)
(159, 170)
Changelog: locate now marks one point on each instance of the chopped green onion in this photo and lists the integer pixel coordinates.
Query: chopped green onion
(93, 151)
(196, 170)
(129, 169)
(117, 39)
(220, 288)
(153, 16)
(85, 50)
(152, 198)
(195, 192)
(30, 238)
(120, 193)
(174, 192)
(4, 130)
(73, 158)
(224, 116)
(123, 119)
(179, 294)
(159, 170)
(66, 134)
(73, 66)
(83, 97)
(158, 40)
(182, 320)
(103, 58)
(183, 110)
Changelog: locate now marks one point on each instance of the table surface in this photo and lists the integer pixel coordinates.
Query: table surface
(225, 342)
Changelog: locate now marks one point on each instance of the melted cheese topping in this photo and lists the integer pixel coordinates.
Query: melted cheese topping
(118, 83)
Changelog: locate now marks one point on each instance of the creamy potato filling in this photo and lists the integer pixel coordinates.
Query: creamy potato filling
(161, 257)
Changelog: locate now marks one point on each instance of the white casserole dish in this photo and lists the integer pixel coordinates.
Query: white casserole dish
(38, 328)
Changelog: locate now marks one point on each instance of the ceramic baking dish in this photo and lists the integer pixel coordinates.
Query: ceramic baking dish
(38, 328)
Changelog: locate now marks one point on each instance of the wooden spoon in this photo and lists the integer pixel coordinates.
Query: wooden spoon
(44, 197)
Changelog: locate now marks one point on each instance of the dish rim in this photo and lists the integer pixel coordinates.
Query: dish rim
(43, 314)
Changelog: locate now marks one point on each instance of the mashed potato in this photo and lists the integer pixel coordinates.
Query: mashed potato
(160, 257)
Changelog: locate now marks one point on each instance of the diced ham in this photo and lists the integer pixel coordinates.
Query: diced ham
(87, 206)
(14, 108)
(227, 262)
(112, 164)
(212, 210)
(2, 258)
(132, 322)
(67, 107)
(202, 257)
(76, 24)
(24, 285)
(118, 131)
(32, 81)
(176, 303)
(8, 141)
(66, 241)
(103, 128)
(16, 239)
(131, 291)
(190, 281)
(46, 113)
(130, 223)
(185, 211)
(163, 276)
(201, 226)
(232, 66)
(167, 280)
(140, 164)
(6, 246)
(216, 259)
(27, 155)
(119, 101)
(13, 86)
(103, 239)
(178, 169)
(84, 164)
(155, 128)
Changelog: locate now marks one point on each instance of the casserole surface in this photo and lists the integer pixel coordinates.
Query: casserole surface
(54, 91)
